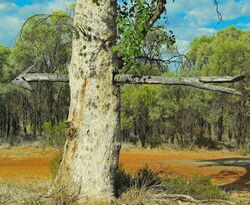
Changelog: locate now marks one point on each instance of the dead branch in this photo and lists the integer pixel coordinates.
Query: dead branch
(192, 82)
(187, 198)
(198, 82)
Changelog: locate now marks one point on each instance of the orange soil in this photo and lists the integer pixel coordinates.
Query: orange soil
(29, 164)
(32, 164)
(174, 164)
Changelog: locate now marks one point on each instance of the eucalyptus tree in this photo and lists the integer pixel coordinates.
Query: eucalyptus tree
(92, 147)
(47, 42)
(225, 53)
(4, 55)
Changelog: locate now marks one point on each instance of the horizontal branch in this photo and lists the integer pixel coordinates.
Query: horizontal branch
(161, 80)
(222, 79)
(199, 82)
(49, 77)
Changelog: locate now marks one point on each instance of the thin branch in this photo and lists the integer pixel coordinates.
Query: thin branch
(217, 10)
(43, 19)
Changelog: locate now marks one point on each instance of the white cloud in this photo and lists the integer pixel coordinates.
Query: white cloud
(3, 6)
(9, 27)
(192, 18)
(6, 6)
(12, 16)
(202, 12)
(182, 45)
(58, 4)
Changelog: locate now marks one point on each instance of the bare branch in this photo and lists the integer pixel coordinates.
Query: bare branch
(43, 19)
(217, 10)
(198, 82)
(161, 80)
(223, 79)
(49, 77)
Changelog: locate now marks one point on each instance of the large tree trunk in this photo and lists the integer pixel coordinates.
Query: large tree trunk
(91, 151)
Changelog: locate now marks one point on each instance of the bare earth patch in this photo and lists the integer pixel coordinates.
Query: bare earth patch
(223, 168)
(26, 163)
(32, 165)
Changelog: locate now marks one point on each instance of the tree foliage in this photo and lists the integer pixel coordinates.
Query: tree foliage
(45, 42)
(185, 116)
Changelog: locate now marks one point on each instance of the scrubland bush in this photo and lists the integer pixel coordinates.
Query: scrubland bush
(244, 150)
(206, 142)
(122, 181)
(55, 134)
(155, 141)
(54, 165)
(144, 177)
(199, 187)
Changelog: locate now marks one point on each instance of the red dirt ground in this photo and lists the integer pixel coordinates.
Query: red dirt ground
(32, 164)
(221, 167)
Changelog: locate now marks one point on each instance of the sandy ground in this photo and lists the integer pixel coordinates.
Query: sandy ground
(230, 170)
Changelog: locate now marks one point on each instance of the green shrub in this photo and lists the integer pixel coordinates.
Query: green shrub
(143, 178)
(122, 181)
(244, 150)
(55, 135)
(54, 165)
(155, 141)
(206, 142)
(200, 187)
(146, 178)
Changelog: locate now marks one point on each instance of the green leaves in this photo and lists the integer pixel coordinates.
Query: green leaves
(133, 27)
(4, 57)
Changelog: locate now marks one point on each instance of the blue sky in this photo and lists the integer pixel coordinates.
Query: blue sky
(187, 18)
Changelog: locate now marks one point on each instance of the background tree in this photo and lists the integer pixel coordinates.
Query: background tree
(47, 43)
(193, 117)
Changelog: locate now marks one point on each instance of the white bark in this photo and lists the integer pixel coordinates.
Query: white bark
(91, 151)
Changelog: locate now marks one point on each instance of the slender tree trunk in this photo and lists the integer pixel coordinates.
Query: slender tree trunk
(35, 116)
(220, 126)
(8, 122)
(25, 119)
(91, 151)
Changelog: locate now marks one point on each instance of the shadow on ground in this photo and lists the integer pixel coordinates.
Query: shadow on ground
(242, 183)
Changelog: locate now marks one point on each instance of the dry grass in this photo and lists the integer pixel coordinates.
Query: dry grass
(37, 194)
(30, 194)
(13, 193)
(143, 195)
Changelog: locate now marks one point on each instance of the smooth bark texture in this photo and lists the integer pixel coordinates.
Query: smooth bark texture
(91, 151)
